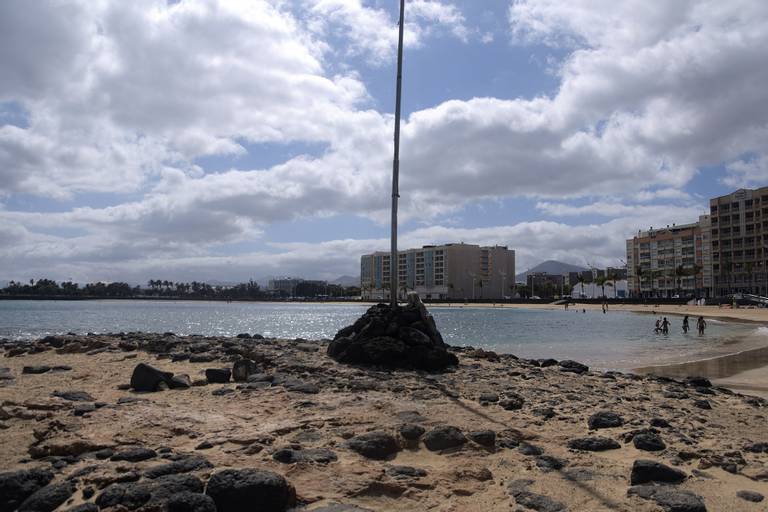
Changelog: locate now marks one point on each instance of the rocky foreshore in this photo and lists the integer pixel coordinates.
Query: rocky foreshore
(155, 422)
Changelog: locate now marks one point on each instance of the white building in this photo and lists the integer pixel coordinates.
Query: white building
(451, 271)
(618, 290)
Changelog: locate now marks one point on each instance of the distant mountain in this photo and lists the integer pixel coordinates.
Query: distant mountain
(346, 281)
(550, 267)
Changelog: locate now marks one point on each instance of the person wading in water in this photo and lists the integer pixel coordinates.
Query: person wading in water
(701, 325)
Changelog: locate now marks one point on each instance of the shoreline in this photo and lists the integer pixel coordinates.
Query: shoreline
(747, 364)
(746, 370)
(742, 315)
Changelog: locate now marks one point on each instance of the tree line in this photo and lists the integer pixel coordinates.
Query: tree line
(166, 289)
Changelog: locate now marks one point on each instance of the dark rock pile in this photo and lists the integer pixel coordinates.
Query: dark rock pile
(404, 338)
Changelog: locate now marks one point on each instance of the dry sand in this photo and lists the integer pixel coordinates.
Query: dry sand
(318, 403)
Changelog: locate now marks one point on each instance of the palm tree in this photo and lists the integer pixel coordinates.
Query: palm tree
(639, 273)
(694, 271)
(680, 272)
(601, 281)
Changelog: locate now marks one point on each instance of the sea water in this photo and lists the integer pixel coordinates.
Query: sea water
(617, 339)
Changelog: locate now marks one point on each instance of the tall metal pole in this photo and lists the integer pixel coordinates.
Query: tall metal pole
(394, 261)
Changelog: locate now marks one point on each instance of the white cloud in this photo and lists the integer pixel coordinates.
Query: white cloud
(677, 214)
(89, 258)
(373, 33)
(748, 173)
(142, 85)
(123, 96)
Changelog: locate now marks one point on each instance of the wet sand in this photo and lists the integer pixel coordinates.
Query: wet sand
(745, 371)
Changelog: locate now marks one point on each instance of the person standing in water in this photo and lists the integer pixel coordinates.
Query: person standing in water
(665, 326)
(686, 327)
(657, 329)
(701, 325)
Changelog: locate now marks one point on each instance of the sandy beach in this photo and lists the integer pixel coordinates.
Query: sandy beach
(758, 315)
(495, 433)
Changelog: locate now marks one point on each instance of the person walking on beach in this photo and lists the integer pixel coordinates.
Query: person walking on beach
(701, 325)
(685, 325)
(665, 326)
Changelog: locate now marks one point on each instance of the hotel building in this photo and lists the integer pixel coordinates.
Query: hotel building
(451, 271)
(740, 242)
(669, 261)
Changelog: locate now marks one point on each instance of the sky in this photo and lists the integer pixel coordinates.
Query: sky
(236, 139)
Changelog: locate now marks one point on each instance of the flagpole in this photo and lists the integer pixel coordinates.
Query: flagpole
(394, 261)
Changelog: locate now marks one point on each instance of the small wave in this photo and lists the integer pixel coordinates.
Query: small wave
(761, 331)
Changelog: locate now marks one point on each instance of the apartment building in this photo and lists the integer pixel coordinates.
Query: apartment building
(542, 284)
(451, 271)
(739, 242)
(286, 285)
(669, 261)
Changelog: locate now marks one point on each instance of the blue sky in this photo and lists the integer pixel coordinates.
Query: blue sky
(200, 140)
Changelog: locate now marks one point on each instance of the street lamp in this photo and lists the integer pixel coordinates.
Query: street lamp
(394, 261)
(503, 275)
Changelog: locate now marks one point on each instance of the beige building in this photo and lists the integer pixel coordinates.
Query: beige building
(669, 261)
(451, 271)
(740, 242)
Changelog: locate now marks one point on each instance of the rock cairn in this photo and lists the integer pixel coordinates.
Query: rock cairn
(405, 337)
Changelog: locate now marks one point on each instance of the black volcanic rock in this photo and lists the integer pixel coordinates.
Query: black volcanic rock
(593, 444)
(134, 455)
(645, 471)
(374, 445)
(17, 486)
(243, 489)
(48, 498)
(573, 367)
(191, 502)
(404, 338)
(149, 378)
(648, 441)
(218, 375)
(605, 419)
(74, 396)
(243, 368)
(444, 437)
(35, 370)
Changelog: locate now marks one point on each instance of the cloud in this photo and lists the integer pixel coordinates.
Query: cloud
(90, 257)
(746, 173)
(678, 214)
(129, 88)
(124, 97)
(372, 33)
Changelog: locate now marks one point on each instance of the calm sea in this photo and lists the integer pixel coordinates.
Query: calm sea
(619, 340)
